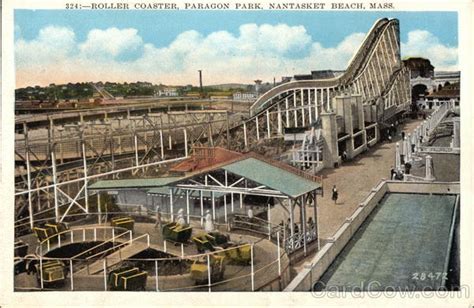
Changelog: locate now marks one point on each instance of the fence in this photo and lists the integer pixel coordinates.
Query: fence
(258, 264)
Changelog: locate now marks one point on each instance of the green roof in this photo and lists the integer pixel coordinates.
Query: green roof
(133, 183)
(273, 177)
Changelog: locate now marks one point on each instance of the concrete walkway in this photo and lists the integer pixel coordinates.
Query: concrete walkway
(354, 180)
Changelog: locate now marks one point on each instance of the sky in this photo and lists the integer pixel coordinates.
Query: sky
(60, 46)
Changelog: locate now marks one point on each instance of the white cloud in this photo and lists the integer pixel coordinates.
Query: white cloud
(256, 51)
(422, 43)
(110, 43)
(52, 44)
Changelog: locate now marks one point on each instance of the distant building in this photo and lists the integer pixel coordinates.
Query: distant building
(448, 93)
(429, 88)
(168, 91)
(239, 96)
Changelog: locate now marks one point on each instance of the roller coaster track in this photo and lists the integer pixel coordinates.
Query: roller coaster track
(383, 33)
(375, 73)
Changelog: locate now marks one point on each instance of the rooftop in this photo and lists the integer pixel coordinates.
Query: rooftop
(274, 175)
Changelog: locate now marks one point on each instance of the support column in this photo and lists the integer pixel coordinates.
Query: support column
(310, 112)
(86, 190)
(256, 125)
(268, 124)
(408, 146)
(245, 135)
(292, 221)
(280, 130)
(303, 221)
(456, 135)
(171, 204)
(316, 110)
(429, 168)
(302, 107)
(185, 142)
(295, 113)
(316, 217)
(99, 210)
(329, 135)
(136, 149)
(328, 100)
(232, 202)
(187, 205)
(201, 201)
(55, 188)
(397, 157)
(28, 178)
(213, 206)
(225, 208)
(161, 145)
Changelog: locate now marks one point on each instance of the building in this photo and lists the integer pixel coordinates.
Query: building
(239, 96)
(447, 94)
(168, 91)
(425, 81)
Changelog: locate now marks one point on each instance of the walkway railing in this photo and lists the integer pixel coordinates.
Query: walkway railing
(254, 224)
(251, 266)
(411, 148)
(78, 235)
(296, 241)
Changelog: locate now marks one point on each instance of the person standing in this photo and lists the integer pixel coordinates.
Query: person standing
(209, 224)
(392, 173)
(180, 220)
(344, 155)
(250, 213)
(407, 167)
(334, 194)
(158, 218)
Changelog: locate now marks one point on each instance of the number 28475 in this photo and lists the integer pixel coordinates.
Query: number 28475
(429, 276)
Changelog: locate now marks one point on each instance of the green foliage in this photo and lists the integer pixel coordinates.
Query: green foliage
(54, 92)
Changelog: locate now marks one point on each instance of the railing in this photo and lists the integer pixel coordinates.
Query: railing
(101, 254)
(296, 241)
(57, 240)
(431, 149)
(413, 178)
(113, 239)
(119, 246)
(267, 272)
(254, 224)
